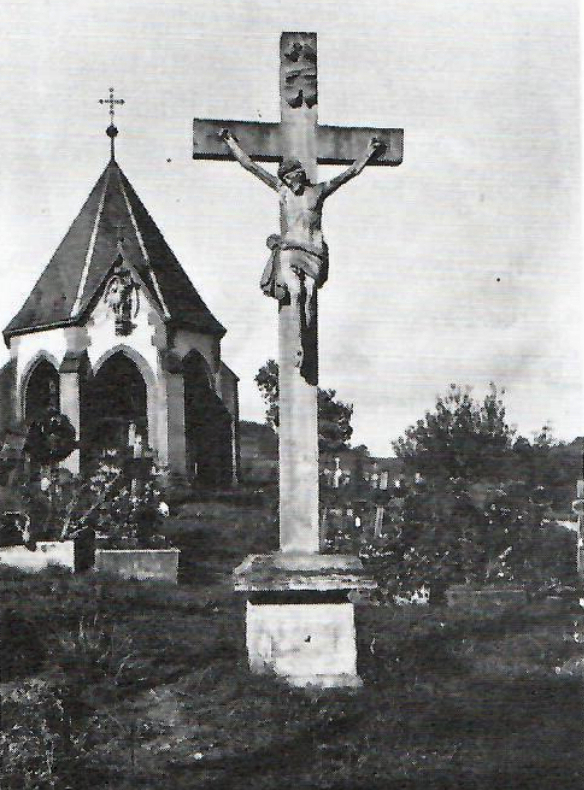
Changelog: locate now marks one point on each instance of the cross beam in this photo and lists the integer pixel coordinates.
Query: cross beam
(336, 145)
(298, 136)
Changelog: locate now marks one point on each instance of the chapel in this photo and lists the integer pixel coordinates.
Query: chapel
(118, 338)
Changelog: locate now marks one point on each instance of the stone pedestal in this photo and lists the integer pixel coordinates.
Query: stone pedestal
(300, 624)
(308, 644)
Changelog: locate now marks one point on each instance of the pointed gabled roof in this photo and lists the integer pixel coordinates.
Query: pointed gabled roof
(77, 270)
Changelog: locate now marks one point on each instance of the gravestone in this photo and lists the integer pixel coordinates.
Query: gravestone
(378, 523)
(300, 622)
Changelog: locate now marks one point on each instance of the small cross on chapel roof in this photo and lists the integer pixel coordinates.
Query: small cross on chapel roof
(112, 130)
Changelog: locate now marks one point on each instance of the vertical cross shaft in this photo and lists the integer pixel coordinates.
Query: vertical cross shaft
(298, 432)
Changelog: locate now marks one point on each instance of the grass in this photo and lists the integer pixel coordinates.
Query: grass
(450, 700)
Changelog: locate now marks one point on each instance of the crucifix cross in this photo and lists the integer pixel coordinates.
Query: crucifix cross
(299, 255)
(111, 131)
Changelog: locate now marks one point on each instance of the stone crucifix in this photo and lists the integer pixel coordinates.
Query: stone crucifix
(298, 263)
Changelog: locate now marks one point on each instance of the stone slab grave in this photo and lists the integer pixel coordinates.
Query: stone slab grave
(300, 622)
(47, 553)
(160, 565)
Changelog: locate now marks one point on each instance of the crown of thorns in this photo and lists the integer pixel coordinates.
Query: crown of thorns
(287, 166)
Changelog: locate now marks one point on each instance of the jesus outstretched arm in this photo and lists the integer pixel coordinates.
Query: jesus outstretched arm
(246, 161)
(374, 148)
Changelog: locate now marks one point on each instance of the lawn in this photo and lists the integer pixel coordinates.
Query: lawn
(156, 693)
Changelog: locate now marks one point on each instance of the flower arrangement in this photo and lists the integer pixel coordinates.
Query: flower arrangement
(124, 507)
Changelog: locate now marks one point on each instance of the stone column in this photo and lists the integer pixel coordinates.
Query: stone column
(171, 449)
(298, 432)
(71, 375)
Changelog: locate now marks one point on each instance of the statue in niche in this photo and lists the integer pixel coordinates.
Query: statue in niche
(122, 297)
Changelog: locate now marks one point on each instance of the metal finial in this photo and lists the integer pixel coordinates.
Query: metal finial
(111, 130)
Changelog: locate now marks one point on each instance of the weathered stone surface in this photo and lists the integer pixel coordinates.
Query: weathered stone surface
(297, 572)
(307, 644)
(263, 141)
(140, 564)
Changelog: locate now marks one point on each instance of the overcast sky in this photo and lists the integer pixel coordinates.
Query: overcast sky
(462, 265)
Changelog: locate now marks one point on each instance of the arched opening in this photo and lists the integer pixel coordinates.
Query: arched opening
(116, 408)
(207, 427)
(41, 391)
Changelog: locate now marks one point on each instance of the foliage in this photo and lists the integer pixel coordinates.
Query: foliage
(267, 382)
(96, 649)
(50, 438)
(437, 540)
(553, 465)
(459, 439)
(334, 422)
(477, 507)
(128, 510)
(334, 416)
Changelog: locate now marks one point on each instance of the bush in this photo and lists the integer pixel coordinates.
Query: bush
(442, 537)
(122, 503)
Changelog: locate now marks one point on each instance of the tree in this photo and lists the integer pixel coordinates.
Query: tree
(479, 509)
(267, 381)
(334, 416)
(461, 438)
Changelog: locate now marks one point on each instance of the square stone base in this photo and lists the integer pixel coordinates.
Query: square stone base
(307, 644)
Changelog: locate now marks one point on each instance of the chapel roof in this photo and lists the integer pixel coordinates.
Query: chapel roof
(77, 271)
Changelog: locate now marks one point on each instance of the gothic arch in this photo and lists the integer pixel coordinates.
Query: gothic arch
(137, 358)
(207, 425)
(195, 359)
(42, 363)
(122, 393)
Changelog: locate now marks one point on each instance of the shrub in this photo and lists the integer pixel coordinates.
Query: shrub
(442, 537)
(122, 503)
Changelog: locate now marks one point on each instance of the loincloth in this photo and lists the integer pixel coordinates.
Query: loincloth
(305, 258)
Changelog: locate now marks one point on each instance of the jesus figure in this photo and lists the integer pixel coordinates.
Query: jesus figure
(301, 249)
(298, 265)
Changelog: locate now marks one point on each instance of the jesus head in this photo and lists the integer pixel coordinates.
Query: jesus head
(292, 173)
